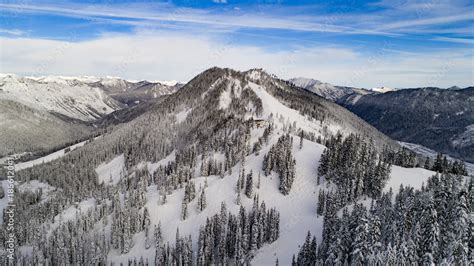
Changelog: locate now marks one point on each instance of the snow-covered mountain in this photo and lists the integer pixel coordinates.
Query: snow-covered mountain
(136, 92)
(234, 168)
(382, 89)
(69, 97)
(327, 90)
(39, 113)
(227, 121)
(25, 129)
(83, 87)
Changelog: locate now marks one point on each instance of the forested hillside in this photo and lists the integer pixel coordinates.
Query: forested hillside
(234, 168)
(440, 119)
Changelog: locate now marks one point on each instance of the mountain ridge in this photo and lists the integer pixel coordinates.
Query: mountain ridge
(440, 119)
(66, 109)
(184, 161)
(327, 90)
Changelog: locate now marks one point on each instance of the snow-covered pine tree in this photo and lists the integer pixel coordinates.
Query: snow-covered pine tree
(249, 185)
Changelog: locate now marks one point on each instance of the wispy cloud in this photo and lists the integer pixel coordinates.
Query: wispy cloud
(15, 32)
(402, 17)
(455, 40)
(163, 13)
(404, 24)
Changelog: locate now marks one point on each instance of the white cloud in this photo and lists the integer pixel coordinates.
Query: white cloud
(407, 24)
(167, 56)
(143, 15)
(15, 32)
(398, 16)
(455, 40)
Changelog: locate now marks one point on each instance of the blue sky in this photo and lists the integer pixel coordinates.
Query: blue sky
(397, 43)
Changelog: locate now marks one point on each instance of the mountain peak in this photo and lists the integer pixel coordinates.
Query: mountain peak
(305, 82)
(382, 89)
(81, 80)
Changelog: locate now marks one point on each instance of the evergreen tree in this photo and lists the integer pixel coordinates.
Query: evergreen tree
(249, 185)
(201, 204)
(184, 210)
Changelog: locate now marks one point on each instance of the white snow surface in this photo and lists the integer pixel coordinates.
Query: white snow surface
(225, 99)
(305, 82)
(414, 177)
(153, 166)
(272, 107)
(166, 82)
(182, 115)
(110, 173)
(50, 157)
(382, 89)
(322, 89)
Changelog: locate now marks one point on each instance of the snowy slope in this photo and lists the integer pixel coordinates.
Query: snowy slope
(71, 98)
(297, 210)
(50, 157)
(110, 173)
(285, 115)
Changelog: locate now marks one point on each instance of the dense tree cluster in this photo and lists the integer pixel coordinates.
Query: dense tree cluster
(263, 139)
(354, 166)
(407, 158)
(125, 223)
(432, 117)
(402, 157)
(443, 165)
(421, 227)
(280, 159)
(73, 242)
(181, 253)
(308, 253)
(231, 239)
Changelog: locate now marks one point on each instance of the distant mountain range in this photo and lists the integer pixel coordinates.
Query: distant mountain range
(327, 90)
(440, 119)
(40, 113)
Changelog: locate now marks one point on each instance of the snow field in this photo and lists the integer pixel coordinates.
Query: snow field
(110, 173)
